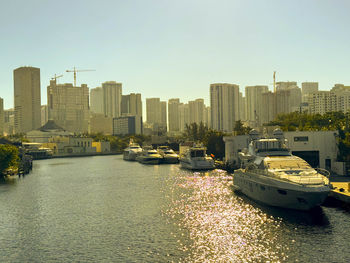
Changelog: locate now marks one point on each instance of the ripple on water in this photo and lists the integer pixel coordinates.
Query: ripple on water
(222, 226)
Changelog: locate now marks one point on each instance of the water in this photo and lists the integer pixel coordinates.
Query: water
(103, 209)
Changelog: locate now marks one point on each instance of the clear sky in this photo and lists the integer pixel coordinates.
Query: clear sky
(167, 49)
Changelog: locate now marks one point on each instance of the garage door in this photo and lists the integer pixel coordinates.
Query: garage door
(312, 157)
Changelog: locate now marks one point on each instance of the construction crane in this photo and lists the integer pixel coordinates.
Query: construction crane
(56, 77)
(75, 73)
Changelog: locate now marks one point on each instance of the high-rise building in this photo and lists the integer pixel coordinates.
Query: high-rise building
(196, 111)
(99, 123)
(174, 115)
(69, 106)
(184, 117)
(308, 88)
(156, 113)
(268, 111)
(112, 96)
(242, 107)
(127, 125)
(2, 117)
(207, 115)
(27, 100)
(224, 104)
(131, 105)
(281, 85)
(44, 114)
(96, 101)
(9, 121)
(254, 104)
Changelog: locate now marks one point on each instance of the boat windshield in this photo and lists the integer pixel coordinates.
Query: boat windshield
(197, 153)
(134, 147)
(152, 152)
(287, 164)
(169, 152)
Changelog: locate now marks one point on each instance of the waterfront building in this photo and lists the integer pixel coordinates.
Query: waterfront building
(224, 104)
(254, 104)
(174, 115)
(46, 132)
(131, 104)
(127, 125)
(112, 96)
(2, 117)
(99, 123)
(96, 100)
(69, 106)
(27, 99)
(44, 114)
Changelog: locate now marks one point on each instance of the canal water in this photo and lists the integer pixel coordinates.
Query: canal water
(103, 209)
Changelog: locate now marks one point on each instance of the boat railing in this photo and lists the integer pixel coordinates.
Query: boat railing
(302, 178)
(324, 172)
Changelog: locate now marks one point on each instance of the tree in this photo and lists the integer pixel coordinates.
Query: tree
(8, 157)
(240, 129)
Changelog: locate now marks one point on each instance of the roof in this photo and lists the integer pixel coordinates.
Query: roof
(50, 125)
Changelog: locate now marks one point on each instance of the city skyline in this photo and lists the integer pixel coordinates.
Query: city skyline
(177, 49)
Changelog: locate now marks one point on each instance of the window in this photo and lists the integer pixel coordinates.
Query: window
(301, 138)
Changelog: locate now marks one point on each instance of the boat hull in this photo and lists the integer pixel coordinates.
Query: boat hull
(279, 193)
(170, 159)
(129, 156)
(196, 165)
(148, 160)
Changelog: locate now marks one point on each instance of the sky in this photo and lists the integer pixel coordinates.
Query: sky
(175, 49)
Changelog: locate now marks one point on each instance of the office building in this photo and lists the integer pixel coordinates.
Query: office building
(112, 96)
(99, 123)
(127, 125)
(96, 101)
(131, 105)
(224, 104)
(69, 106)
(184, 118)
(9, 121)
(27, 100)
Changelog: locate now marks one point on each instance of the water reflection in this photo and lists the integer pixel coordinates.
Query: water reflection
(224, 227)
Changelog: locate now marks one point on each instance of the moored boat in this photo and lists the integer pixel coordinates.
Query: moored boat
(149, 156)
(132, 151)
(168, 154)
(195, 158)
(270, 174)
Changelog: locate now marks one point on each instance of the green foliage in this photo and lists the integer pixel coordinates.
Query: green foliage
(8, 157)
(212, 139)
(240, 129)
(329, 121)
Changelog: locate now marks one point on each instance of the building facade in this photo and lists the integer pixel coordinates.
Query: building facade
(27, 99)
(224, 104)
(127, 125)
(131, 104)
(112, 96)
(96, 101)
(69, 106)
(254, 104)
(174, 115)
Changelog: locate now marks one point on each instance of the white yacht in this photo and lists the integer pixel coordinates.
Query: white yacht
(270, 174)
(132, 151)
(168, 154)
(195, 158)
(149, 156)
